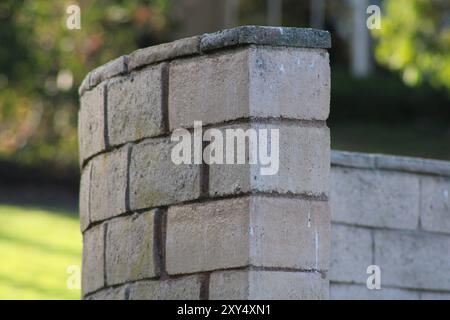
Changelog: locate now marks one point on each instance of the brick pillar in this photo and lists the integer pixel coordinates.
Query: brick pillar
(157, 230)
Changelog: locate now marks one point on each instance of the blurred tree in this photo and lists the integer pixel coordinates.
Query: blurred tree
(42, 63)
(415, 39)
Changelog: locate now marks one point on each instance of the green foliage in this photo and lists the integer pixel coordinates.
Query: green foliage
(42, 63)
(415, 40)
(383, 97)
(37, 246)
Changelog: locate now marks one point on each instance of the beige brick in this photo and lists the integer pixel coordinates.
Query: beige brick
(207, 236)
(229, 285)
(85, 185)
(130, 248)
(254, 81)
(258, 231)
(135, 106)
(108, 185)
(165, 51)
(435, 295)
(155, 180)
(118, 293)
(289, 233)
(91, 123)
(108, 70)
(209, 89)
(288, 285)
(93, 262)
(339, 291)
(375, 198)
(267, 285)
(289, 83)
(351, 253)
(186, 288)
(435, 204)
(413, 260)
(304, 164)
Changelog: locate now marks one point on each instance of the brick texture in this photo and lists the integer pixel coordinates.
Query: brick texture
(155, 180)
(435, 204)
(258, 231)
(413, 260)
(340, 291)
(91, 123)
(208, 236)
(185, 288)
(267, 285)
(135, 105)
(108, 185)
(85, 186)
(304, 165)
(118, 293)
(245, 81)
(130, 248)
(375, 198)
(93, 260)
(351, 253)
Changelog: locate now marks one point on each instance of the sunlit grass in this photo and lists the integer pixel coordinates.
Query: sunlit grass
(36, 248)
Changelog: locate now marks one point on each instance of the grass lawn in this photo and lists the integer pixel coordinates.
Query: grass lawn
(37, 245)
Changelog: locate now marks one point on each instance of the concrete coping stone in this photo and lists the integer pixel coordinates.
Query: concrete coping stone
(272, 36)
(239, 36)
(386, 162)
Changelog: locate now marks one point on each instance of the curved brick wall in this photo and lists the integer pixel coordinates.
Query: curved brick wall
(155, 230)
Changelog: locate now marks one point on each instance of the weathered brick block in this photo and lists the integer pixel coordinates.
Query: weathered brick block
(207, 236)
(129, 248)
(165, 51)
(108, 185)
(267, 285)
(435, 295)
(108, 70)
(135, 105)
(258, 231)
(289, 83)
(375, 198)
(155, 180)
(413, 259)
(250, 82)
(209, 89)
(289, 233)
(435, 204)
(91, 123)
(85, 186)
(93, 262)
(351, 253)
(304, 164)
(118, 293)
(340, 291)
(185, 288)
